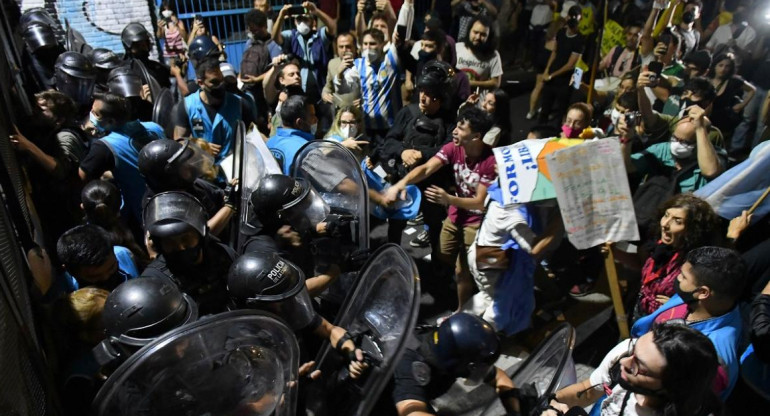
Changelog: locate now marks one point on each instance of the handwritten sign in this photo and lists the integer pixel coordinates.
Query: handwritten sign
(592, 190)
(612, 36)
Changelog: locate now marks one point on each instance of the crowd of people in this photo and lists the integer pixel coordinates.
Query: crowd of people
(123, 156)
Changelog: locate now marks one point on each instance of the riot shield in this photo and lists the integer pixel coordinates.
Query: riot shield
(336, 175)
(256, 162)
(239, 362)
(147, 78)
(549, 367)
(380, 314)
(74, 40)
(162, 107)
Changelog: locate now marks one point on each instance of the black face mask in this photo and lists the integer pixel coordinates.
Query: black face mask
(113, 281)
(688, 17)
(217, 93)
(572, 23)
(184, 259)
(687, 297)
(426, 56)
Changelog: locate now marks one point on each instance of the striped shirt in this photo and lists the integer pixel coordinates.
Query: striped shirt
(380, 88)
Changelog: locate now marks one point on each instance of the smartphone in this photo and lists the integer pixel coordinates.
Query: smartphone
(401, 30)
(655, 67)
(296, 10)
(198, 17)
(577, 78)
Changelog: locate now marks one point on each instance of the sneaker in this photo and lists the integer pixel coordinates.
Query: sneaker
(421, 240)
(418, 220)
(581, 289)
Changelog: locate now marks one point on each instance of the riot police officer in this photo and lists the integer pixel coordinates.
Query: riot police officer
(104, 61)
(188, 255)
(168, 165)
(137, 43)
(38, 31)
(75, 77)
(137, 312)
(463, 345)
(127, 82)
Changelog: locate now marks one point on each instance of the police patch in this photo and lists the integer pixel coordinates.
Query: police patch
(421, 373)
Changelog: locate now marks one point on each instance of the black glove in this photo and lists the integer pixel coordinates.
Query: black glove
(336, 224)
(232, 196)
(355, 260)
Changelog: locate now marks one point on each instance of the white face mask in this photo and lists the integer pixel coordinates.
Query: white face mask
(372, 54)
(167, 13)
(303, 28)
(348, 131)
(681, 150)
(250, 35)
(615, 117)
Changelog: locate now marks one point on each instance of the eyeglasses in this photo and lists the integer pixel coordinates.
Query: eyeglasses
(637, 367)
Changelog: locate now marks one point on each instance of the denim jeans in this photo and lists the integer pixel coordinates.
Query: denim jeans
(743, 138)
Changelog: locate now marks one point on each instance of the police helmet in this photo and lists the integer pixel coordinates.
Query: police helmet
(169, 214)
(276, 192)
(466, 345)
(202, 47)
(105, 59)
(435, 79)
(75, 65)
(38, 35)
(171, 165)
(140, 310)
(132, 33)
(125, 82)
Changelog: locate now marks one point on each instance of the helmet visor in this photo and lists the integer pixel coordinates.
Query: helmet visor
(126, 85)
(79, 89)
(305, 213)
(174, 207)
(191, 162)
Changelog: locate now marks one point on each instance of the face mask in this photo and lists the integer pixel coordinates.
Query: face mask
(349, 131)
(687, 297)
(303, 28)
(688, 17)
(184, 258)
(572, 23)
(681, 150)
(250, 36)
(615, 117)
(313, 128)
(373, 55)
(570, 132)
(96, 123)
(218, 92)
(167, 13)
(426, 56)
(114, 281)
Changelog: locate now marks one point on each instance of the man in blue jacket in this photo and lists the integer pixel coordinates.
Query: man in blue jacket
(710, 282)
(299, 126)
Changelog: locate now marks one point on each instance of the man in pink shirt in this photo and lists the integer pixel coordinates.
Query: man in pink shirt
(473, 165)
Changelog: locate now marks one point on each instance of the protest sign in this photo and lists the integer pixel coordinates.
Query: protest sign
(591, 186)
(523, 171)
(613, 36)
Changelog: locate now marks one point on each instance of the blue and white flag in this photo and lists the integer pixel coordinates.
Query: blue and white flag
(738, 188)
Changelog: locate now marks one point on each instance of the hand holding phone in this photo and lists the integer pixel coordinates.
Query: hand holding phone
(655, 67)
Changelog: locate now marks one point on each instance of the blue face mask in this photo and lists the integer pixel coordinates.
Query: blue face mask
(96, 123)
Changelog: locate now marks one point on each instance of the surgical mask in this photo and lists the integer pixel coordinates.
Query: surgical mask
(687, 297)
(615, 117)
(372, 55)
(426, 56)
(167, 13)
(348, 131)
(96, 123)
(681, 150)
(303, 28)
(571, 132)
(186, 258)
(250, 35)
(688, 17)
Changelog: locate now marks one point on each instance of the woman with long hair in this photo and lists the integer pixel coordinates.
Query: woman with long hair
(733, 94)
(668, 371)
(101, 203)
(348, 129)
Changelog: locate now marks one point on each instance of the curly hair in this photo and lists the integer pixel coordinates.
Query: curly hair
(699, 225)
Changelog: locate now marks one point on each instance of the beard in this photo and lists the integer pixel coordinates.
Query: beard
(483, 50)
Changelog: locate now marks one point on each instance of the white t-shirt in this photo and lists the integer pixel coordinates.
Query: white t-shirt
(477, 70)
(612, 404)
(501, 222)
(724, 33)
(541, 15)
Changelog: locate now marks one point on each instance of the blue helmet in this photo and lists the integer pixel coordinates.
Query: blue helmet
(466, 346)
(202, 47)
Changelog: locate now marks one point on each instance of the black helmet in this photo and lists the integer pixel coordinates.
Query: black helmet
(466, 345)
(38, 35)
(75, 76)
(202, 47)
(37, 15)
(105, 59)
(293, 199)
(266, 281)
(132, 33)
(142, 309)
(172, 213)
(170, 165)
(435, 79)
(125, 82)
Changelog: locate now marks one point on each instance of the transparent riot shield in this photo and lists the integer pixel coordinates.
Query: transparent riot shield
(335, 173)
(162, 107)
(236, 363)
(549, 367)
(380, 314)
(147, 78)
(255, 162)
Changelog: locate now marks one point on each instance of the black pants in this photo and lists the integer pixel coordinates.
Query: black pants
(556, 91)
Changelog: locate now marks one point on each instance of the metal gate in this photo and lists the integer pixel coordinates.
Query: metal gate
(223, 19)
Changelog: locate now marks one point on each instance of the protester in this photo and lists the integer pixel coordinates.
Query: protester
(299, 127)
(733, 94)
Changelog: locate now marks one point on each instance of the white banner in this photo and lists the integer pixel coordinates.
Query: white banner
(591, 186)
(518, 170)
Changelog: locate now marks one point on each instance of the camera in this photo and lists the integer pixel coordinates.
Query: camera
(370, 6)
(633, 118)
